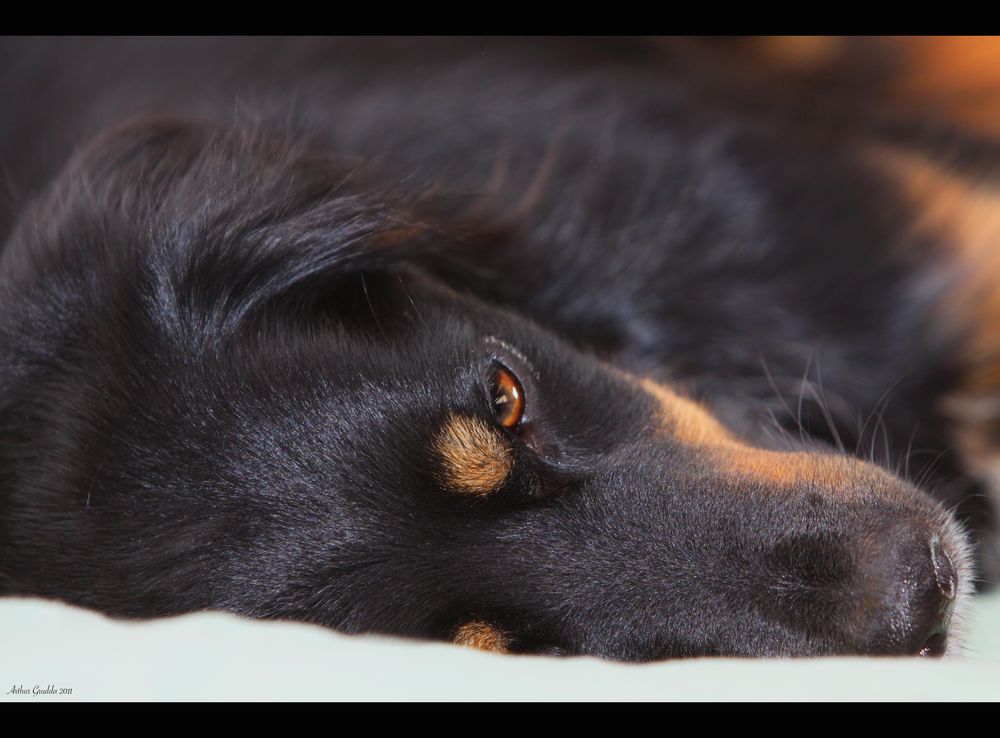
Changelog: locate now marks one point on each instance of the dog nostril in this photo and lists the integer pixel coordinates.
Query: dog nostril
(915, 583)
(935, 645)
(944, 570)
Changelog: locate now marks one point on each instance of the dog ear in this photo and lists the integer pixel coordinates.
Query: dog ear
(212, 223)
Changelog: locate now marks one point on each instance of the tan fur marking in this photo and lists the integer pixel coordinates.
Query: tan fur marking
(786, 469)
(686, 420)
(956, 78)
(481, 636)
(964, 212)
(965, 216)
(475, 458)
(796, 54)
(692, 425)
(945, 78)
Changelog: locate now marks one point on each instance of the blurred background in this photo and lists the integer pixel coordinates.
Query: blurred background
(944, 79)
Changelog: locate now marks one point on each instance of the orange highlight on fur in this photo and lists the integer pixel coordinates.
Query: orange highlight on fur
(475, 458)
(481, 636)
(692, 425)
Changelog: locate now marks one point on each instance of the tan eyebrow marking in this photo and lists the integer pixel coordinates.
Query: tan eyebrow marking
(482, 636)
(475, 457)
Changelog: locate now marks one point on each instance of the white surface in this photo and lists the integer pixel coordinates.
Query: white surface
(213, 656)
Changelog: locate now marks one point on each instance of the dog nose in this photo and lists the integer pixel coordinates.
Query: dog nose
(944, 570)
(919, 584)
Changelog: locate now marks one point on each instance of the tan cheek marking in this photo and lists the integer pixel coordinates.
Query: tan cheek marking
(965, 215)
(481, 636)
(475, 458)
(690, 424)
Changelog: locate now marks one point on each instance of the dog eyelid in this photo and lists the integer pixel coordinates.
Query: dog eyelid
(526, 365)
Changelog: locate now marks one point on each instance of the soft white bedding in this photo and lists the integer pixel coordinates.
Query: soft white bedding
(213, 656)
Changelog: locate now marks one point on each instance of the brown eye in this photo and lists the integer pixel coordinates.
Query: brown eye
(507, 396)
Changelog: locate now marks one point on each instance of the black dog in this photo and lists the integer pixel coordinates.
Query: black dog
(538, 346)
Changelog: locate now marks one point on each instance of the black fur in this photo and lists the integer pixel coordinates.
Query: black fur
(232, 326)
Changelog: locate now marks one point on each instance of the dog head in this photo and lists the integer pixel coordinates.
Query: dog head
(232, 380)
